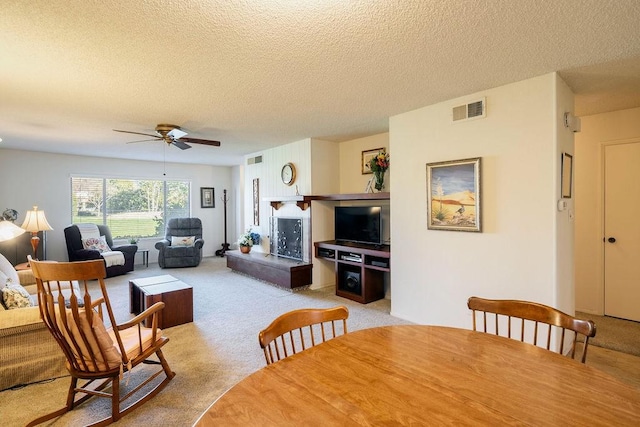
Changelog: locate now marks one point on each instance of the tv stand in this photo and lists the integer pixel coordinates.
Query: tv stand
(360, 268)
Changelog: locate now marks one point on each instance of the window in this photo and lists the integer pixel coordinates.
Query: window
(131, 208)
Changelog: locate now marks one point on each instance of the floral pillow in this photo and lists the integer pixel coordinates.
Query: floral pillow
(15, 296)
(98, 244)
(183, 241)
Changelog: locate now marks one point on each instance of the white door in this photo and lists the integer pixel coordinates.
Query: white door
(622, 231)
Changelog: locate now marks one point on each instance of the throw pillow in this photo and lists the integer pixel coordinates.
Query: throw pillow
(98, 244)
(183, 241)
(15, 296)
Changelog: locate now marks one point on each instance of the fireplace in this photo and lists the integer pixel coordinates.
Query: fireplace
(287, 238)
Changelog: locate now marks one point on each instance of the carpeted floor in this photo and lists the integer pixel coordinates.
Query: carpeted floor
(221, 346)
(209, 355)
(615, 334)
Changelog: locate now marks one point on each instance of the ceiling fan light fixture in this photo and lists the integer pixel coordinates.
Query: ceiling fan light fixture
(171, 134)
(176, 133)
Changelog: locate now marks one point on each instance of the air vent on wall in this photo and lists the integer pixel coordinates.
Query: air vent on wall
(472, 110)
(254, 160)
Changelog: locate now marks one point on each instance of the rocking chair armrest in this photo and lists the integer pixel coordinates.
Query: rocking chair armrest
(151, 311)
(98, 303)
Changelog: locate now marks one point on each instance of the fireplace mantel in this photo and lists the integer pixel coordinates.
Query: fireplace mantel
(303, 202)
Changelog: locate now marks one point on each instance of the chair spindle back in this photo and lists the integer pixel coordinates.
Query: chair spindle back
(298, 330)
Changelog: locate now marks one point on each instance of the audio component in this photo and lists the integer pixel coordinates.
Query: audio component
(327, 253)
(382, 264)
(351, 257)
(350, 282)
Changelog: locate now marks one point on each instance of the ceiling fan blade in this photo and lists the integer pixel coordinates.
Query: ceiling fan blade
(137, 133)
(142, 140)
(176, 133)
(202, 141)
(181, 145)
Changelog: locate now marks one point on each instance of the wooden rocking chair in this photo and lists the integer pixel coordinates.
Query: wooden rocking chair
(96, 354)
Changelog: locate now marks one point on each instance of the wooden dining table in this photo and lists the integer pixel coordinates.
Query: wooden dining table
(426, 375)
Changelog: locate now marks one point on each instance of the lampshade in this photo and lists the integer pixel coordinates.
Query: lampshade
(9, 230)
(36, 221)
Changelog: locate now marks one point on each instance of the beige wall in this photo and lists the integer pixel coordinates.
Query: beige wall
(526, 248)
(351, 178)
(564, 255)
(597, 130)
(323, 167)
(433, 271)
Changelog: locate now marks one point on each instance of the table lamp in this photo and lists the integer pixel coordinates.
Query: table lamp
(9, 230)
(34, 222)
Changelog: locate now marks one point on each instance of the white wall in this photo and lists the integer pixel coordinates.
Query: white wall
(34, 178)
(433, 271)
(271, 185)
(597, 130)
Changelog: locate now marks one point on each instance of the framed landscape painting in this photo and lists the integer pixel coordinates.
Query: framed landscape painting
(453, 195)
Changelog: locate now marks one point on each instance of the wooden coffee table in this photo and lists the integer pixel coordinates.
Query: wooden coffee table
(176, 295)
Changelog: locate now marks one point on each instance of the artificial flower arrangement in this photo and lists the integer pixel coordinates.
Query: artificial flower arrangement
(249, 238)
(379, 164)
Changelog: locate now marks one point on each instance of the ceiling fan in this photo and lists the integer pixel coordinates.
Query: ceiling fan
(172, 135)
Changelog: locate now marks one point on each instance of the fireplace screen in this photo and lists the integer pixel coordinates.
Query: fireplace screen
(286, 237)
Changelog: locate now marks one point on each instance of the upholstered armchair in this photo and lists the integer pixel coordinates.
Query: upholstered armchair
(78, 252)
(182, 244)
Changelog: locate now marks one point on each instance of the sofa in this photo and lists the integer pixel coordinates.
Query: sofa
(28, 352)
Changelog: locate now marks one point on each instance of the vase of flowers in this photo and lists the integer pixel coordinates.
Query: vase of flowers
(379, 165)
(247, 240)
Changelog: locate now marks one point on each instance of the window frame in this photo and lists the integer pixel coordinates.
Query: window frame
(104, 216)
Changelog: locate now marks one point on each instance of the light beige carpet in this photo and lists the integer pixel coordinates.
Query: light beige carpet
(615, 334)
(209, 355)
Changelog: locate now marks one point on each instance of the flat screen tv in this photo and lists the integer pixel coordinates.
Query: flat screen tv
(358, 224)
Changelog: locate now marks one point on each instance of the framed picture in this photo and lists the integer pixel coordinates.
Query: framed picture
(366, 158)
(256, 201)
(206, 197)
(453, 195)
(567, 175)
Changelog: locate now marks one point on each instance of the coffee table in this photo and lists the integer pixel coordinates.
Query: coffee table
(176, 295)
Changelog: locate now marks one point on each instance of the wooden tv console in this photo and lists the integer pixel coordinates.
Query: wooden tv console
(359, 268)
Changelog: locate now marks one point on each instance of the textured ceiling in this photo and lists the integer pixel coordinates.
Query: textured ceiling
(260, 73)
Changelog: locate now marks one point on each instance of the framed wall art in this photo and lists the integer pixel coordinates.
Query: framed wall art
(206, 197)
(366, 159)
(256, 201)
(567, 174)
(453, 195)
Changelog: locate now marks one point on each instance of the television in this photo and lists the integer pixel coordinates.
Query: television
(358, 224)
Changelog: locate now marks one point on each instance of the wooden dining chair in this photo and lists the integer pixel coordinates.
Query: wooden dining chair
(96, 355)
(298, 330)
(514, 313)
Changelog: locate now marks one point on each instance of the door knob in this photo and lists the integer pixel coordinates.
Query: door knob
(611, 240)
